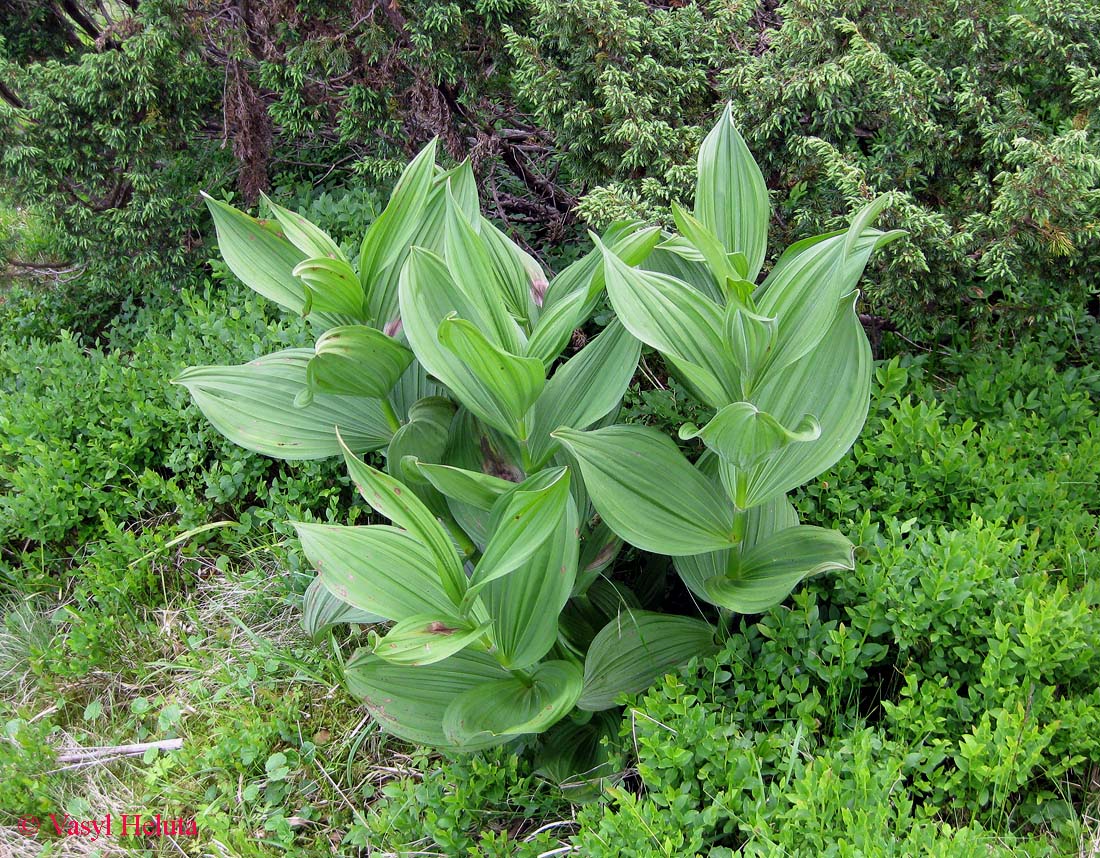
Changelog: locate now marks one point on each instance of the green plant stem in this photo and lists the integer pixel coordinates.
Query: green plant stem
(391, 416)
(525, 458)
(523, 676)
(465, 544)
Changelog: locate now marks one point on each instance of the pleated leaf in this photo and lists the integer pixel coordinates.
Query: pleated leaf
(810, 278)
(635, 649)
(409, 702)
(510, 383)
(354, 360)
(387, 239)
(731, 198)
(399, 504)
(333, 287)
(307, 237)
(585, 388)
(427, 639)
(765, 575)
(473, 270)
(262, 260)
(379, 569)
(522, 521)
(524, 606)
(512, 707)
(321, 610)
(648, 493)
(429, 296)
(833, 383)
(254, 405)
(672, 317)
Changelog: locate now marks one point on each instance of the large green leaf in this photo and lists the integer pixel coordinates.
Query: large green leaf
(636, 648)
(677, 320)
(379, 569)
(731, 198)
(513, 706)
(332, 287)
(648, 493)
(585, 388)
(525, 605)
(354, 360)
(409, 702)
(471, 487)
(306, 236)
(387, 239)
(764, 575)
(509, 382)
(521, 522)
(396, 502)
(429, 296)
(759, 524)
(254, 405)
(833, 383)
(744, 435)
(810, 278)
(471, 265)
(427, 639)
(261, 259)
(321, 610)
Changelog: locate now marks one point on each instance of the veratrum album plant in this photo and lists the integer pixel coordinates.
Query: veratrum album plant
(508, 488)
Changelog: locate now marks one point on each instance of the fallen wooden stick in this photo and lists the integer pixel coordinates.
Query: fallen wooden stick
(82, 755)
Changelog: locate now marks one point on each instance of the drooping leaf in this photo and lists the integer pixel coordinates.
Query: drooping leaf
(524, 606)
(513, 707)
(636, 648)
(409, 702)
(262, 260)
(731, 198)
(585, 388)
(765, 574)
(379, 569)
(254, 405)
(648, 493)
(389, 497)
(321, 610)
(427, 639)
(354, 360)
